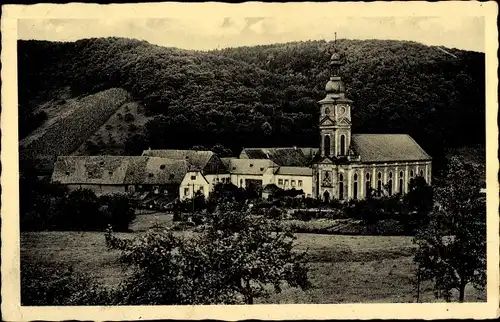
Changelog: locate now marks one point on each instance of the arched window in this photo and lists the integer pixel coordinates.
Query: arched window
(342, 144)
(411, 173)
(400, 182)
(341, 187)
(421, 173)
(368, 185)
(379, 183)
(355, 187)
(390, 183)
(327, 110)
(326, 145)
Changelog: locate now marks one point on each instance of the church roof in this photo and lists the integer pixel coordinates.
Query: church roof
(248, 166)
(387, 148)
(118, 170)
(292, 157)
(198, 159)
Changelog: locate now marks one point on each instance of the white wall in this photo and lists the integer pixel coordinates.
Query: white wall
(193, 182)
(287, 183)
(239, 179)
(214, 179)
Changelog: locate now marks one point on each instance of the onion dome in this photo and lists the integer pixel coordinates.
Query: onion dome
(335, 85)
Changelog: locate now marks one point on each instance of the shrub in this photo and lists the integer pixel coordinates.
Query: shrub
(129, 117)
(117, 211)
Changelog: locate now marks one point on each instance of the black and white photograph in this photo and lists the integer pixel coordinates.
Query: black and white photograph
(241, 155)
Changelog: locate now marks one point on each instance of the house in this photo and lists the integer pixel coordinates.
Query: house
(121, 174)
(206, 170)
(247, 172)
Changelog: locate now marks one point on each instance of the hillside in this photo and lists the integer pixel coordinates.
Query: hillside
(256, 96)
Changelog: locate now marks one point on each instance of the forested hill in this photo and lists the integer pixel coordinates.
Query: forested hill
(264, 95)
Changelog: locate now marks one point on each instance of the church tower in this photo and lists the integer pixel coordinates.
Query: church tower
(330, 172)
(335, 114)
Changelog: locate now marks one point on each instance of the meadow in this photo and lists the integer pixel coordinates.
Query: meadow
(343, 269)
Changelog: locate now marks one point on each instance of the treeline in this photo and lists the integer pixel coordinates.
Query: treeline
(267, 95)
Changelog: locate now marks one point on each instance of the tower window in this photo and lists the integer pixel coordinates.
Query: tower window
(327, 145)
(342, 144)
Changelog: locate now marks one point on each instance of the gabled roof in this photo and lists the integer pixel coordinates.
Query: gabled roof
(298, 157)
(197, 159)
(248, 166)
(294, 171)
(387, 148)
(118, 170)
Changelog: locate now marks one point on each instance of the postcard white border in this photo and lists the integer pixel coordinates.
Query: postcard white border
(11, 308)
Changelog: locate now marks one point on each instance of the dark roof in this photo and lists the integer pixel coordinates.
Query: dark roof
(198, 159)
(118, 170)
(387, 148)
(294, 171)
(248, 166)
(293, 157)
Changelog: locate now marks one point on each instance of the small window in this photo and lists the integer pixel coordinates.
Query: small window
(280, 181)
(299, 183)
(367, 176)
(251, 165)
(241, 182)
(390, 174)
(400, 174)
(110, 173)
(193, 177)
(171, 176)
(355, 176)
(411, 174)
(261, 169)
(234, 168)
(380, 175)
(186, 191)
(217, 180)
(341, 177)
(67, 173)
(162, 166)
(150, 175)
(286, 182)
(292, 183)
(101, 163)
(421, 173)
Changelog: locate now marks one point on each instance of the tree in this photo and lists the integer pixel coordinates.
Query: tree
(117, 211)
(452, 247)
(235, 258)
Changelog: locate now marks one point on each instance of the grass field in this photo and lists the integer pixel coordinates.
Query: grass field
(343, 269)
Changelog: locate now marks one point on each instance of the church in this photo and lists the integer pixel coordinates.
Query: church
(345, 166)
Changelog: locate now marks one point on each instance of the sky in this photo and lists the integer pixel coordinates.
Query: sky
(223, 30)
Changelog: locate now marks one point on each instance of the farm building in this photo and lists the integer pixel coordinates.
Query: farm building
(121, 174)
